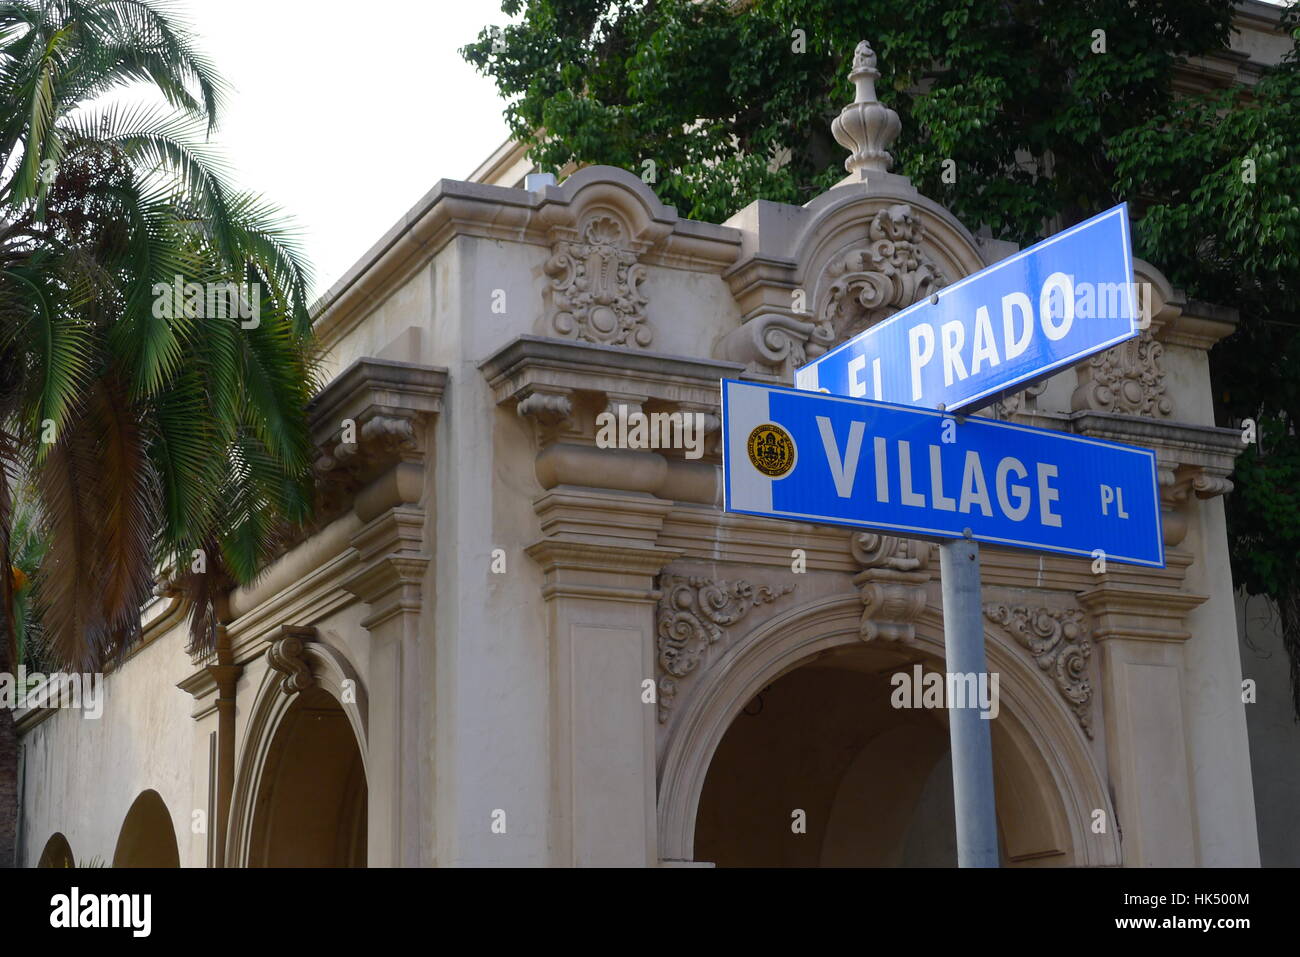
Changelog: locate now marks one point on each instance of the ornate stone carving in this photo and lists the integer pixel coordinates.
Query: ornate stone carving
(1058, 640)
(866, 127)
(875, 551)
(770, 343)
(1015, 403)
(862, 286)
(355, 454)
(892, 584)
(1129, 378)
(384, 435)
(1205, 485)
(595, 290)
(711, 421)
(892, 271)
(548, 408)
(691, 616)
(367, 421)
(285, 656)
(1178, 485)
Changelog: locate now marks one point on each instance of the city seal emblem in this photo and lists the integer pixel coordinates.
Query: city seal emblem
(771, 450)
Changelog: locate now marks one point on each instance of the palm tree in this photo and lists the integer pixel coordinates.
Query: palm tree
(26, 553)
(154, 431)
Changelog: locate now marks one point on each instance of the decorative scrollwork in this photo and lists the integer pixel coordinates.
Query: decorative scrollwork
(546, 407)
(872, 550)
(1058, 641)
(1014, 403)
(1128, 378)
(1206, 485)
(892, 271)
(892, 584)
(692, 613)
(770, 343)
(286, 656)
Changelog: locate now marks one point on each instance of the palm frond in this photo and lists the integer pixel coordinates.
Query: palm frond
(66, 594)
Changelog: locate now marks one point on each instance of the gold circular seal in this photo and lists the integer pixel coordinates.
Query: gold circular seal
(771, 450)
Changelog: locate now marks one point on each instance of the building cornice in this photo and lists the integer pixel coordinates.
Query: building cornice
(531, 364)
(454, 208)
(1138, 613)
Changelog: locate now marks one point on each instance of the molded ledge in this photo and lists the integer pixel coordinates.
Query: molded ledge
(529, 363)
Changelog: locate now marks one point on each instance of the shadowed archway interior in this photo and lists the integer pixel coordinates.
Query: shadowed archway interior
(820, 770)
(147, 838)
(57, 852)
(311, 804)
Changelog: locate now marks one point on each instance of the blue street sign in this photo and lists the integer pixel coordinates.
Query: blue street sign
(820, 458)
(998, 329)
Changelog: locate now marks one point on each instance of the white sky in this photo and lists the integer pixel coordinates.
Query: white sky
(345, 114)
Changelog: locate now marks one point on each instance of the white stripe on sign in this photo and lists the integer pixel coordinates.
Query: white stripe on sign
(746, 410)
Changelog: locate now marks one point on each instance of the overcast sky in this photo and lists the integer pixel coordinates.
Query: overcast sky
(345, 114)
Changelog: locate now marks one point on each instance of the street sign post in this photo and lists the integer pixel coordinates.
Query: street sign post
(1004, 327)
(807, 456)
(820, 458)
(971, 740)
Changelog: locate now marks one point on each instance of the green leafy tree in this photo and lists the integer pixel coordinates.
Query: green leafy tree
(1049, 112)
(153, 431)
(1217, 180)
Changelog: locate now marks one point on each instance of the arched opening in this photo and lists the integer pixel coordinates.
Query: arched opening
(310, 809)
(819, 769)
(57, 853)
(147, 838)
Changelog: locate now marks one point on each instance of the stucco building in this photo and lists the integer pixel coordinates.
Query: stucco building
(502, 644)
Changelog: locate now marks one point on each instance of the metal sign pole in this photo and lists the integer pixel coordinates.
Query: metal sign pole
(972, 748)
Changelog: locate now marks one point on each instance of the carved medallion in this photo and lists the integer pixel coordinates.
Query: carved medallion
(595, 290)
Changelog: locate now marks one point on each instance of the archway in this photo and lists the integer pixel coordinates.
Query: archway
(57, 853)
(820, 770)
(147, 838)
(310, 809)
(831, 690)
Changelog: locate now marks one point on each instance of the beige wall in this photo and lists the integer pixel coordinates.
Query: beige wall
(1274, 732)
(81, 776)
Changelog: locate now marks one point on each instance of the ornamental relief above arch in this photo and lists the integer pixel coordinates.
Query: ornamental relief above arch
(600, 225)
(693, 624)
(700, 619)
(1043, 732)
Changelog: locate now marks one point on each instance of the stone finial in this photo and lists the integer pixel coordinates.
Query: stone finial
(866, 127)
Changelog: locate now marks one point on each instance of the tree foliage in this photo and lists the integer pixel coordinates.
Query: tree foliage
(1218, 179)
(1049, 112)
(712, 91)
